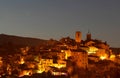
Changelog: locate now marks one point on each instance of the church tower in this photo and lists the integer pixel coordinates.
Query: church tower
(78, 36)
(88, 36)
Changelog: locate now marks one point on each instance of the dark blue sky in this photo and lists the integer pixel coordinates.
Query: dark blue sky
(47, 19)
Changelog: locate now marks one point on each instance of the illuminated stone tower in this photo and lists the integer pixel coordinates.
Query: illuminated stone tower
(88, 36)
(78, 36)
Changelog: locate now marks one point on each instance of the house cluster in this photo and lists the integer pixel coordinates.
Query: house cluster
(57, 55)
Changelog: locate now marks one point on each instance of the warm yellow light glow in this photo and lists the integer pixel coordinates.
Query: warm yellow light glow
(1, 62)
(25, 72)
(31, 65)
(59, 65)
(92, 50)
(41, 68)
(67, 54)
(112, 57)
(58, 73)
(119, 55)
(62, 50)
(40, 71)
(22, 61)
(102, 57)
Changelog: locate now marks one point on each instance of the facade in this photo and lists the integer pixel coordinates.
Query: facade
(80, 57)
(93, 58)
(102, 54)
(44, 64)
(67, 53)
(61, 55)
(92, 50)
(78, 36)
(88, 36)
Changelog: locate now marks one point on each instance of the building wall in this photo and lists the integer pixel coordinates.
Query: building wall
(88, 36)
(67, 53)
(78, 36)
(44, 64)
(61, 55)
(94, 58)
(101, 52)
(81, 59)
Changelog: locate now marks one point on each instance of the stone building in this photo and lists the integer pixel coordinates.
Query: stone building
(80, 57)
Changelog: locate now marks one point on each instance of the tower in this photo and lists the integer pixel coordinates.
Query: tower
(88, 36)
(78, 36)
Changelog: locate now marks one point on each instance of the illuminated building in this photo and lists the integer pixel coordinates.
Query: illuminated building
(31, 65)
(89, 43)
(61, 55)
(44, 64)
(102, 54)
(80, 57)
(21, 60)
(67, 53)
(112, 57)
(9, 69)
(99, 52)
(24, 50)
(92, 50)
(60, 64)
(78, 36)
(59, 72)
(103, 57)
(94, 58)
(88, 36)
(25, 72)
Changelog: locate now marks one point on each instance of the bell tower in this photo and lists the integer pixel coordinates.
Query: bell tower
(78, 36)
(88, 36)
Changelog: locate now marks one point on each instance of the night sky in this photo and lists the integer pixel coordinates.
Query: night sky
(47, 19)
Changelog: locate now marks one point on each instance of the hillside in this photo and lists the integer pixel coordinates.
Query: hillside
(17, 40)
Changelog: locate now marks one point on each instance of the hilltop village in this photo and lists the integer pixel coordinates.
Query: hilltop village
(66, 58)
